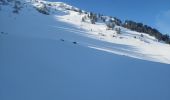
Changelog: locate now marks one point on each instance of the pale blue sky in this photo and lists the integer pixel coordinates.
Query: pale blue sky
(155, 13)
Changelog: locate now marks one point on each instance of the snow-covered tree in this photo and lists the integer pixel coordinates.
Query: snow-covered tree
(110, 25)
(43, 9)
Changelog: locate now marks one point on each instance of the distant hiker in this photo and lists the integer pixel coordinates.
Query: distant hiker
(74, 42)
(62, 40)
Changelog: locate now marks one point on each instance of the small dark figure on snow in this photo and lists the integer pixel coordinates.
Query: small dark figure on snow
(74, 42)
(62, 40)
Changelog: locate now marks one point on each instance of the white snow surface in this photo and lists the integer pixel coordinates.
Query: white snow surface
(59, 57)
(67, 24)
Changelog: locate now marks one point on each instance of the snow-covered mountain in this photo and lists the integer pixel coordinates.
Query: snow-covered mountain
(51, 50)
(58, 20)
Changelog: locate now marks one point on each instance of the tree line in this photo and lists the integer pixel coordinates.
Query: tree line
(132, 25)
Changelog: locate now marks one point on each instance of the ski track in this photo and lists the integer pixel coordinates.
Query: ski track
(112, 48)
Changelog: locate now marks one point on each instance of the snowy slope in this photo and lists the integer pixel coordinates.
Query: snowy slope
(47, 69)
(58, 57)
(146, 47)
(90, 35)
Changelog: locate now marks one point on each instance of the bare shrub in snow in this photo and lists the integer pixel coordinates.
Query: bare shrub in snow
(118, 30)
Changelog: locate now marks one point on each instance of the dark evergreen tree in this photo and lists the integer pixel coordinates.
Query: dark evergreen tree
(17, 6)
(117, 21)
(166, 38)
(93, 17)
(139, 27)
